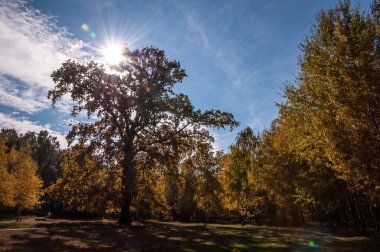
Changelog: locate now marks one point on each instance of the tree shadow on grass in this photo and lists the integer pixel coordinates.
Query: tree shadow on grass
(162, 236)
(222, 238)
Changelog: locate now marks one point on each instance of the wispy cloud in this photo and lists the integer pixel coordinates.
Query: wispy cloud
(227, 62)
(256, 124)
(22, 125)
(222, 140)
(246, 51)
(228, 56)
(31, 47)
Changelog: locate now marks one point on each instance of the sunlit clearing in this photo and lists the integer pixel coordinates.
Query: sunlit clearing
(112, 54)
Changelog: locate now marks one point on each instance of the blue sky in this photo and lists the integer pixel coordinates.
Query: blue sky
(237, 54)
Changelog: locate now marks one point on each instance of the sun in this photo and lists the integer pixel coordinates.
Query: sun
(112, 53)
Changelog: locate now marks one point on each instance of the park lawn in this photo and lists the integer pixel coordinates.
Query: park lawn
(39, 234)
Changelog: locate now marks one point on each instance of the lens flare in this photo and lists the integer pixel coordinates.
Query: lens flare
(311, 244)
(85, 27)
(112, 54)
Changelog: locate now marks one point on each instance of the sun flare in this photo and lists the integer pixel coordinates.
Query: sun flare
(112, 54)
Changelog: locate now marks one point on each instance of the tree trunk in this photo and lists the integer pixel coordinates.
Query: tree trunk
(354, 213)
(301, 217)
(362, 218)
(19, 214)
(370, 209)
(128, 187)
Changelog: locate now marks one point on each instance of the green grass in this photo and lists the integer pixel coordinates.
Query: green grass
(104, 235)
(12, 223)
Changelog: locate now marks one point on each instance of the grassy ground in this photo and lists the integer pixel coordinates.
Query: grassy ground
(39, 234)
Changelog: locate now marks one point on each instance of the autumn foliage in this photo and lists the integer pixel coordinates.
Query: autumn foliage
(148, 153)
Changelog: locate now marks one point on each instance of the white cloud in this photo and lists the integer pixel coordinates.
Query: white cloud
(22, 125)
(23, 101)
(31, 47)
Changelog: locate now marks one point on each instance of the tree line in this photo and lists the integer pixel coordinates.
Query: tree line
(149, 154)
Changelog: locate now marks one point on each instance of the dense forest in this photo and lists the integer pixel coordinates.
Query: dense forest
(148, 152)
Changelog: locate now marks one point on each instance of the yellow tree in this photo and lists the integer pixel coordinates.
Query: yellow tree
(208, 189)
(241, 174)
(338, 92)
(88, 185)
(332, 114)
(6, 179)
(26, 183)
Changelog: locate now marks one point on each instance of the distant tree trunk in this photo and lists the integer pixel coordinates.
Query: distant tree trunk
(271, 216)
(19, 213)
(363, 221)
(318, 214)
(302, 221)
(128, 186)
(354, 214)
(370, 209)
(345, 215)
(206, 217)
(243, 216)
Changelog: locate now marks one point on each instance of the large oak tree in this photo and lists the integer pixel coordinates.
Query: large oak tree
(137, 113)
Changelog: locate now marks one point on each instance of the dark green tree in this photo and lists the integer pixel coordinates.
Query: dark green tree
(46, 153)
(11, 138)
